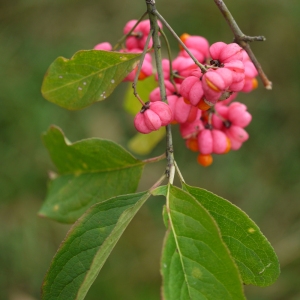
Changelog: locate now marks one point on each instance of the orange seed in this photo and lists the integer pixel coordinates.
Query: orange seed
(192, 144)
(204, 160)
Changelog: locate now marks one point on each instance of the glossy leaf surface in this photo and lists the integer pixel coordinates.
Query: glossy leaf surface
(90, 171)
(89, 76)
(253, 254)
(87, 245)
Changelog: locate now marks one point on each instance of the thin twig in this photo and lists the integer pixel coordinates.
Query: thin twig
(160, 17)
(258, 38)
(137, 74)
(155, 159)
(170, 60)
(243, 40)
(178, 172)
(157, 183)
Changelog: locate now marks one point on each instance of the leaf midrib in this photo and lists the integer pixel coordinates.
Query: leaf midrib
(176, 241)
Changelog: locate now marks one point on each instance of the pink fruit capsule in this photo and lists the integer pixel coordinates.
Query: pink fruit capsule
(191, 89)
(198, 45)
(237, 68)
(219, 141)
(238, 115)
(216, 48)
(152, 120)
(152, 116)
(237, 133)
(231, 52)
(103, 46)
(213, 86)
(205, 142)
(226, 75)
(191, 129)
(140, 125)
(163, 111)
(182, 111)
(129, 25)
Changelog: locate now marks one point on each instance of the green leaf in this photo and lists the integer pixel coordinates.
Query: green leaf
(161, 190)
(165, 216)
(143, 144)
(87, 246)
(89, 76)
(196, 264)
(253, 254)
(144, 88)
(90, 171)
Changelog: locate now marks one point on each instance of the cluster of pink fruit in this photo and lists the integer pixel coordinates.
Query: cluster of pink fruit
(200, 101)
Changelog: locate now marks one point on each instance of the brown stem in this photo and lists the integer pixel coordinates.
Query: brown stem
(158, 183)
(170, 170)
(154, 159)
(243, 40)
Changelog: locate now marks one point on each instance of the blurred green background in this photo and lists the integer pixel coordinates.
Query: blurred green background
(262, 177)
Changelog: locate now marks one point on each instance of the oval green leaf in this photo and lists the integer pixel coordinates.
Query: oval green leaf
(89, 76)
(87, 245)
(196, 263)
(90, 171)
(253, 254)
